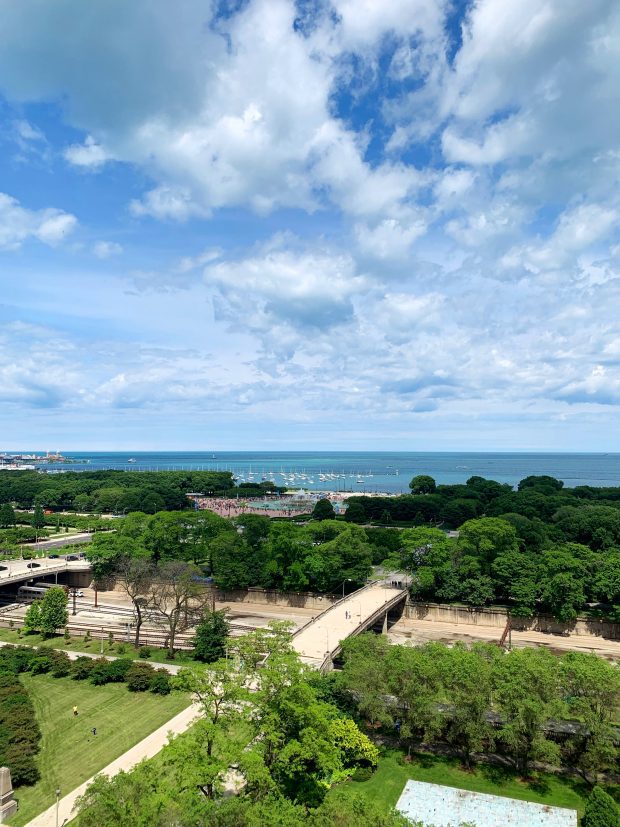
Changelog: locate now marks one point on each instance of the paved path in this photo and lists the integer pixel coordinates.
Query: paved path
(322, 636)
(146, 748)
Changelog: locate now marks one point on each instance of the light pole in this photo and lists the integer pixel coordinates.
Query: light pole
(57, 804)
(346, 580)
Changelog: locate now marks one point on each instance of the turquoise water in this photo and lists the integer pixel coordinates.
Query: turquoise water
(363, 471)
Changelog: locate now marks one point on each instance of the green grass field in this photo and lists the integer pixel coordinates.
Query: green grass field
(387, 783)
(70, 754)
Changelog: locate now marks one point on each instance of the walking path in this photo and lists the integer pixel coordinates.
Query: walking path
(146, 748)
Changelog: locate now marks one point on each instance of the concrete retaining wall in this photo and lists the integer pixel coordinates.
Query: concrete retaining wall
(496, 618)
(296, 600)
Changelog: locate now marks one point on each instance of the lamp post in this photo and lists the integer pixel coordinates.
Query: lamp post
(346, 580)
(57, 804)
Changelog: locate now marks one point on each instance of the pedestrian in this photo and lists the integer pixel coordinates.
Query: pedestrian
(94, 730)
(75, 711)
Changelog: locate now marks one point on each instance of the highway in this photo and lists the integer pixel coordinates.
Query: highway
(60, 542)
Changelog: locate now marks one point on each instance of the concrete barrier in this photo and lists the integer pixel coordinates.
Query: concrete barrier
(496, 618)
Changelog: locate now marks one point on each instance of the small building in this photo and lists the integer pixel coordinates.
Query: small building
(450, 807)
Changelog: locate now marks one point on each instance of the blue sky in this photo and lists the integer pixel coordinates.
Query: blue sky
(331, 224)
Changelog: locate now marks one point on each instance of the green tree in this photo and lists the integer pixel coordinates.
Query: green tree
(526, 692)
(176, 599)
(211, 636)
(38, 518)
(323, 510)
(355, 513)
(32, 618)
(136, 575)
(485, 538)
(601, 810)
(422, 484)
(54, 614)
(592, 690)
(7, 515)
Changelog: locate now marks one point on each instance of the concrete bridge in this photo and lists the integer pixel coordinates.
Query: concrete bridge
(318, 642)
(19, 572)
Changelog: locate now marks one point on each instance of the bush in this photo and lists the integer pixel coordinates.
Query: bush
(110, 671)
(160, 683)
(139, 677)
(362, 774)
(61, 664)
(24, 770)
(144, 652)
(601, 810)
(19, 731)
(41, 663)
(81, 668)
(121, 648)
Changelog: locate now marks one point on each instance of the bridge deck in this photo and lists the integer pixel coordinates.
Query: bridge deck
(319, 640)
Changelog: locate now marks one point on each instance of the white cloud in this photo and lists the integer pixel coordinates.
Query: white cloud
(18, 224)
(107, 249)
(89, 155)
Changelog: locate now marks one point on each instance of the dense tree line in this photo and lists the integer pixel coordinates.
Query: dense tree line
(491, 562)
(541, 504)
(249, 551)
(19, 731)
(111, 491)
(482, 699)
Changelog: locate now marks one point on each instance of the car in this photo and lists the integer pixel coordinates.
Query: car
(77, 593)
(72, 557)
(53, 556)
(33, 565)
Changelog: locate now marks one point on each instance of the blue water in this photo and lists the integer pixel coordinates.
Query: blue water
(359, 471)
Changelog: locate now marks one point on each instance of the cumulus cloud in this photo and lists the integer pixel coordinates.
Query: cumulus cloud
(89, 155)
(18, 224)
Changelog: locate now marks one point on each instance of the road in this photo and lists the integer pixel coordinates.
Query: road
(60, 542)
(19, 571)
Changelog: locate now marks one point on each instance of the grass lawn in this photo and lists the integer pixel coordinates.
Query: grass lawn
(387, 783)
(69, 752)
(93, 647)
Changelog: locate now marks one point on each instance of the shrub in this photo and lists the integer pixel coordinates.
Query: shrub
(601, 810)
(121, 648)
(81, 668)
(19, 731)
(211, 636)
(362, 774)
(61, 664)
(101, 672)
(139, 677)
(41, 663)
(144, 652)
(160, 683)
(23, 768)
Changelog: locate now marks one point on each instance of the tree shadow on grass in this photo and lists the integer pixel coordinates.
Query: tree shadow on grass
(496, 774)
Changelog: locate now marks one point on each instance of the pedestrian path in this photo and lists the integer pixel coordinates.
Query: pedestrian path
(146, 748)
(319, 640)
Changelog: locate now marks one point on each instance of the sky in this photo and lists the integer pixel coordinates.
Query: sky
(322, 224)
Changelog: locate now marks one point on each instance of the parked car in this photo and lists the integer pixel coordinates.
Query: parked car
(53, 556)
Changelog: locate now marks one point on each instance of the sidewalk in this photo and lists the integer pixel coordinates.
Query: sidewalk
(146, 748)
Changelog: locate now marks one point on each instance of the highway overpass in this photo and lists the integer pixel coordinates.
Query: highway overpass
(17, 572)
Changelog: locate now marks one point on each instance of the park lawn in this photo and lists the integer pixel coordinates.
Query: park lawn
(70, 754)
(387, 783)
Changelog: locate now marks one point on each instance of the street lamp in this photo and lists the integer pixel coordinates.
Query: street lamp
(346, 580)
(57, 803)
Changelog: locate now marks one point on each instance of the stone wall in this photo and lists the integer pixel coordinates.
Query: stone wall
(496, 618)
